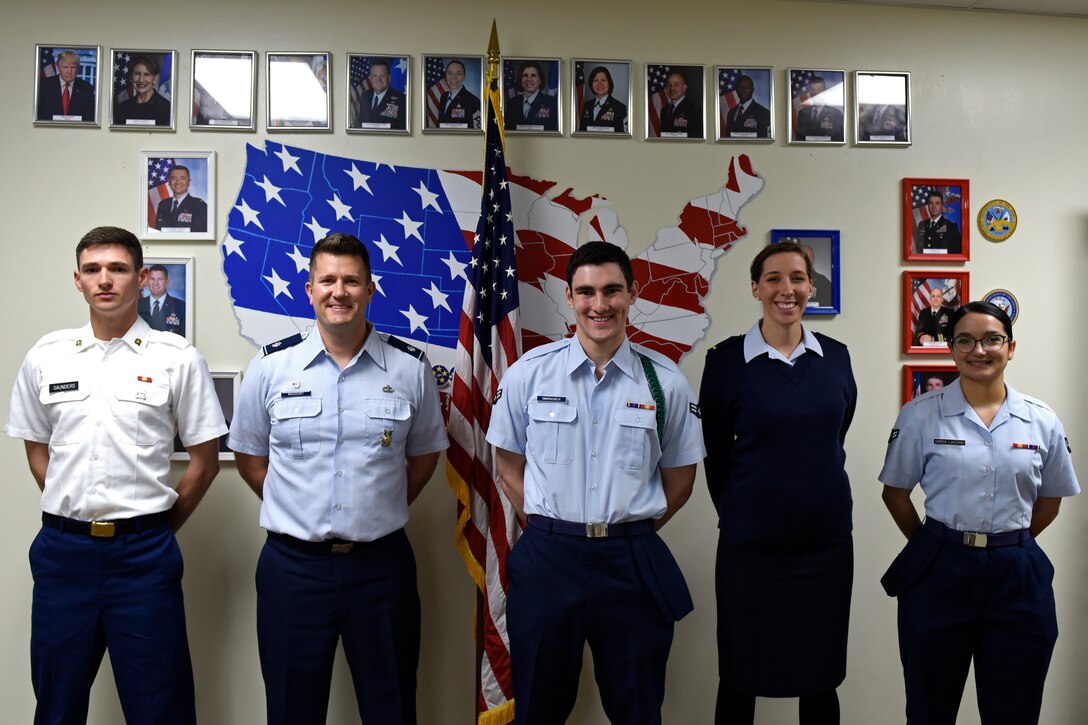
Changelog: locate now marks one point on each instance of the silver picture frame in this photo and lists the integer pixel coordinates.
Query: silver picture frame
(176, 307)
(744, 104)
(882, 108)
(817, 110)
(440, 113)
(142, 89)
(298, 91)
(223, 90)
(545, 111)
(612, 119)
(391, 112)
(227, 384)
(83, 64)
(158, 218)
(674, 95)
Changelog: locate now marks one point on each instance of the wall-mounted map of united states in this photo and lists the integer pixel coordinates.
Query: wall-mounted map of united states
(418, 224)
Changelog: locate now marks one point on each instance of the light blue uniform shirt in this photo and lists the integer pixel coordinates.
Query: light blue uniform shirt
(337, 439)
(591, 446)
(755, 345)
(974, 478)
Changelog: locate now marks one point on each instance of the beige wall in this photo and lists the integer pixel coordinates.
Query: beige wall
(997, 99)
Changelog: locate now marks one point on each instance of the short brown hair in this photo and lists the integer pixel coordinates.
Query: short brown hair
(113, 235)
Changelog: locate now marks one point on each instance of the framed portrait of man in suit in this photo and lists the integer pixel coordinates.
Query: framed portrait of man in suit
(531, 101)
(601, 97)
(881, 108)
(674, 102)
(166, 301)
(298, 92)
(142, 89)
(177, 195)
(378, 96)
(224, 90)
(822, 248)
(452, 88)
(929, 299)
(817, 106)
(936, 213)
(744, 104)
(66, 85)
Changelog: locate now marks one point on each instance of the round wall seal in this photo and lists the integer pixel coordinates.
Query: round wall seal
(997, 220)
(1005, 300)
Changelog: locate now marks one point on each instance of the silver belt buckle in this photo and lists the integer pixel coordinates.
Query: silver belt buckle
(596, 530)
(970, 538)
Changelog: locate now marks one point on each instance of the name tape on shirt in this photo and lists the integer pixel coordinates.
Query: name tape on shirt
(68, 387)
(948, 442)
(548, 398)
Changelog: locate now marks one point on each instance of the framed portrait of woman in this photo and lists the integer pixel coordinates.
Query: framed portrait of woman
(934, 216)
(601, 97)
(929, 299)
(224, 90)
(531, 100)
(453, 86)
(66, 85)
(142, 91)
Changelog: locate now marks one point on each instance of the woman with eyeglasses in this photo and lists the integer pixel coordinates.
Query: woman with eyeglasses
(972, 583)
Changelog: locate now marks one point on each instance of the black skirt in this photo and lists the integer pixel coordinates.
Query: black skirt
(783, 617)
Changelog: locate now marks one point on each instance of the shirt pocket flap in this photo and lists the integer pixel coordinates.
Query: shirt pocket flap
(552, 412)
(387, 408)
(63, 391)
(146, 393)
(287, 408)
(637, 418)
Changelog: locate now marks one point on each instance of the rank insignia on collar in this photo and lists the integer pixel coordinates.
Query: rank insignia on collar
(387, 388)
(79, 343)
(138, 341)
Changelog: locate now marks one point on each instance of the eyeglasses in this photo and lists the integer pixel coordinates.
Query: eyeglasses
(966, 344)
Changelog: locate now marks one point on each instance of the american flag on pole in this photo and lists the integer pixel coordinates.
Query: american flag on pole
(158, 172)
(657, 76)
(489, 342)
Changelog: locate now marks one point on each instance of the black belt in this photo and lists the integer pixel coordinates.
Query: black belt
(591, 529)
(328, 547)
(107, 529)
(975, 539)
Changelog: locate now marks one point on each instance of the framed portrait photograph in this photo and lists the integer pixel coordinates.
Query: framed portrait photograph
(453, 85)
(226, 389)
(66, 85)
(177, 195)
(142, 94)
(822, 248)
(929, 299)
(601, 97)
(744, 101)
(934, 212)
(224, 90)
(378, 93)
(166, 301)
(530, 96)
(298, 92)
(817, 107)
(881, 108)
(921, 379)
(674, 102)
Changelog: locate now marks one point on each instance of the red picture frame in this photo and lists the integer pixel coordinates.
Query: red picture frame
(917, 378)
(940, 232)
(925, 329)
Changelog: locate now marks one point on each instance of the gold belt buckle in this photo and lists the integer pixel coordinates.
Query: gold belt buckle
(102, 529)
(970, 538)
(343, 547)
(596, 530)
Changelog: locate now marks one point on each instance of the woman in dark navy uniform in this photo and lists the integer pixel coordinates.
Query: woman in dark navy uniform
(972, 583)
(776, 405)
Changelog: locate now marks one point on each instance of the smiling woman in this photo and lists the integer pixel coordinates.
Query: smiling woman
(140, 79)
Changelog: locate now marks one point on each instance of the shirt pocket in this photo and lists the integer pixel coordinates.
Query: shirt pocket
(551, 431)
(386, 426)
(144, 413)
(296, 426)
(64, 398)
(635, 427)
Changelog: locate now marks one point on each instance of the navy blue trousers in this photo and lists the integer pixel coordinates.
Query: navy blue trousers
(566, 591)
(121, 594)
(995, 606)
(307, 601)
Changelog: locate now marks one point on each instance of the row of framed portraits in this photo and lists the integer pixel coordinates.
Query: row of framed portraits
(379, 97)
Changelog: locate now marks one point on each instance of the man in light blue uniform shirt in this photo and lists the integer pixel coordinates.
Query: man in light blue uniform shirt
(598, 441)
(338, 432)
(973, 585)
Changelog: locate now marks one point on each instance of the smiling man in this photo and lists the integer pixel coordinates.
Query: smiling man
(98, 408)
(337, 432)
(597, 441)
(183, 212)
(162, 310)
(64, 97)
(381, 106)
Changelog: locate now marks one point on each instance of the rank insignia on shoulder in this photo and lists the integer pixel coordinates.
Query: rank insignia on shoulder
(282, 344)
(695, 410)
(498, 396)
(894, 435)
(405, 347)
